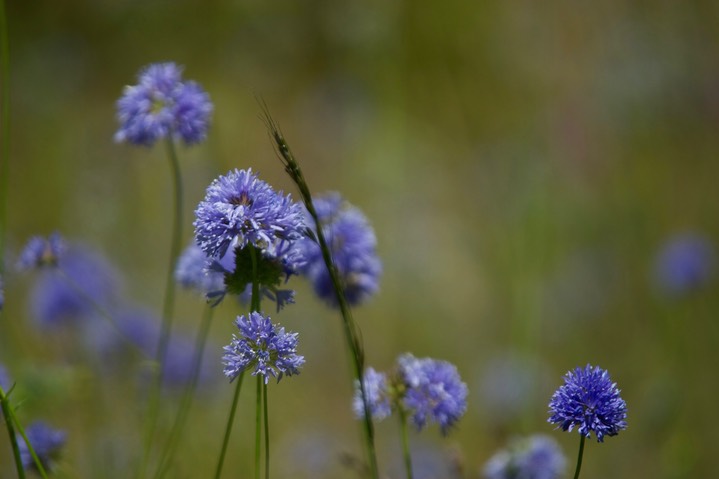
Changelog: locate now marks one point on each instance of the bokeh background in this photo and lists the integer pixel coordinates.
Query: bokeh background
(527, 166)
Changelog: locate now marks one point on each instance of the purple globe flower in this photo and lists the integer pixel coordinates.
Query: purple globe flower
(240, 209)
(353, 245)
(589, 401)
(434, 391)
(378, 395)
(46, 442)
(534, 457)
(162, 105)
(262, 347)
(39, 252)
(686, 262)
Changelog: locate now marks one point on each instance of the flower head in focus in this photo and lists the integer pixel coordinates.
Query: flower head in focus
(262, 347)
(589, 401)
(46, 442)
(161, 105)
(352, 244)
(39, 252)
(239, 209)
(533, 457)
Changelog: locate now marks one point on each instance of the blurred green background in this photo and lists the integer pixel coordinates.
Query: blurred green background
(523, 163)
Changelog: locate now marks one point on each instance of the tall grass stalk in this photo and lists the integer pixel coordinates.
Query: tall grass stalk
(5, 120)
(11, 423)
(351, 331)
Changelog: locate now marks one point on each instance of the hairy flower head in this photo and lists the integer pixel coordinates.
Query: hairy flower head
(589, 401)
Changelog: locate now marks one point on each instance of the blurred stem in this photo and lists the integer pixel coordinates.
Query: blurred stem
(579, 456)
(228, 427)
(258, 425)
(167, 308)
(181, 418)
(405, 442)
(10, 420)
(5, 119)
(351, 332)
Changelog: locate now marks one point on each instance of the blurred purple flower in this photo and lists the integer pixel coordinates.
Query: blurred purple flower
(39, 252)
(352, 243)
(378, 395)
(533, 457)
(46, 442)
(685, 262)
(162, 105)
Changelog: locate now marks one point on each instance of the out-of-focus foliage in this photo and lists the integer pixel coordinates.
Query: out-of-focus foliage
(523, 165)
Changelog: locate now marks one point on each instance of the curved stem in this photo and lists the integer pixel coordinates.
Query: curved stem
(228, 427)
(405, 443)
(168, 305)
(11, 433)
(579, 456)
(180, 419)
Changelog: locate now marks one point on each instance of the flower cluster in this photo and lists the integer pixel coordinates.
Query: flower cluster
(533, 457)
(589, 401)
(352, 244)
(262, 347)
(46, 442)
(427, 389)
(162, 105)
(192, 272)
(39, 252)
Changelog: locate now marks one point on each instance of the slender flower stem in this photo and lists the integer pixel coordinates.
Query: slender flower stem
(254, 306)
(167, 308)
(405, 442)
(180, 419)
(12, 422)
(267, 431)
(5, 120)
(351, 331)
(258, 426)
(579, 456)
(228, 427)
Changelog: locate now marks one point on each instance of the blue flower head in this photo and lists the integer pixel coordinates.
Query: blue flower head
(434, 391)
(589, 401)
(239, 209)
(162, 105)
(46, 442)
(39, 252)
(686, 262)
(533, 457)
(352, 243)
(378, 395)
(262, 347)
(71, 292)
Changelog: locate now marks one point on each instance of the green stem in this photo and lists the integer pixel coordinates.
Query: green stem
(180, 419)
(258, 425)
(228, 427)
(351, 332)
(5, 119)
(10, 420)
(167, 308)
(405, 443)
(579, 456)
(267, 431)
